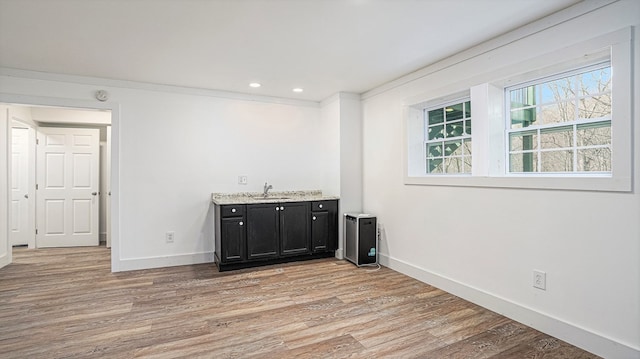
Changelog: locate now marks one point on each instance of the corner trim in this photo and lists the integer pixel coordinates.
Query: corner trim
(575, 335)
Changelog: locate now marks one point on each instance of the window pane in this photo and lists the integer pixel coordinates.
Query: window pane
(434, 150)
(594, 159)
(557, 113)
(466, 147)
(453, 148)
(454, 129)
(595, 82)
(436, 116)
(467, 127)
(523, 162)
(522, 141)
(436, 132)
(558, 90)
(559, 137)
(467, 109)
(594, 134)
(523, 97)
(556, 161)
(454, 112)
(453, 165)
(523, 118)
(595, 107)
(467, 164)
(434, 165)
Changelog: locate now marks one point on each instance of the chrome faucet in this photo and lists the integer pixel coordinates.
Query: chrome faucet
(267, 187)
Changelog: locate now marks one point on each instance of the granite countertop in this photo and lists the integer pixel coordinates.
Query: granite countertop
(273, 197)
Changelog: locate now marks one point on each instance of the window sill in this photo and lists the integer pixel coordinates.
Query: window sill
(598, 184)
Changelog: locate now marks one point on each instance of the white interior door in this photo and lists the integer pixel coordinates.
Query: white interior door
(20, 232)
(67, 187)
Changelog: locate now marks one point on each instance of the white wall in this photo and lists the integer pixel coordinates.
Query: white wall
(176, 146)
(341, 121)
(484, 243)
(5, 253)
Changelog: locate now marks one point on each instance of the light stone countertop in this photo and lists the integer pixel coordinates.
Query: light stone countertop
(273, 197)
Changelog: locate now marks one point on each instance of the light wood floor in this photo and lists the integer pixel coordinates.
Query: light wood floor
(65, 303)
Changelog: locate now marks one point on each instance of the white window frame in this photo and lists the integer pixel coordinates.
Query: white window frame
(464, 137)
(488, 111)
(542, 127)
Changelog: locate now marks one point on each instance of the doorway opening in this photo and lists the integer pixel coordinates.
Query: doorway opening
(36, 122)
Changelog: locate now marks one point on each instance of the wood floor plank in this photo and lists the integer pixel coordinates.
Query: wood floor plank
(65, 303)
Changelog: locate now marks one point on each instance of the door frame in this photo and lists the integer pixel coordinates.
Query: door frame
(12, 99)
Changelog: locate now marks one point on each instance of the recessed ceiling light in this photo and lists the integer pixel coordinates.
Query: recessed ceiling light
(254, 85)
(448, 109)
(297, 89)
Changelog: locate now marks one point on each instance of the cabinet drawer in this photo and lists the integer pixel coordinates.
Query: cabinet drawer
(232, 210)
(330, 205)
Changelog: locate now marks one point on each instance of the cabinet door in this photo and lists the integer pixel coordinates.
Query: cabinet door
(262, 230)
(294, 228)
(319, 231)
(233, 239)
(330, 207)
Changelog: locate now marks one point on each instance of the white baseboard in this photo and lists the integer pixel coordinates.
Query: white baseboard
(165, 261)
(580, 337)
(5, 260)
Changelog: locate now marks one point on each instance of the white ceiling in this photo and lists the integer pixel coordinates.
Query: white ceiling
(323, 46)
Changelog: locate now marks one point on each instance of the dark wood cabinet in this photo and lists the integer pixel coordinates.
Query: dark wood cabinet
(233, 230)
(231, 234)
(294, 228)
(324, 226)
(267, 233)
(262, 230)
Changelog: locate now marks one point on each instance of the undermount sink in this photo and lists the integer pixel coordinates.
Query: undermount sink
(269, 197)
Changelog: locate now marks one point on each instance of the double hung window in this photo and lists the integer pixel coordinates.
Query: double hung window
(448, 139)
(562, 124)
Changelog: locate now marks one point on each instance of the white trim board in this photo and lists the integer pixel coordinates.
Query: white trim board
(166, 261)
(5, 260)
(575, 335)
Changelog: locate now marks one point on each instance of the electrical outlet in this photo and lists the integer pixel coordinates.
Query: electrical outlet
(169, 236)
(242, 180)
(540, 279)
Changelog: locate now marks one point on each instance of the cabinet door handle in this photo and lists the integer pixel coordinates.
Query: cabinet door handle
(314, 218)
(241, 223)
(233, 210)
(277, 208)
(320, 206)
(282, 208)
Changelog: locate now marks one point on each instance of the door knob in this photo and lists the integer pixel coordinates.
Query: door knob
(94, 193)
(314, 218)
(26, 196)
